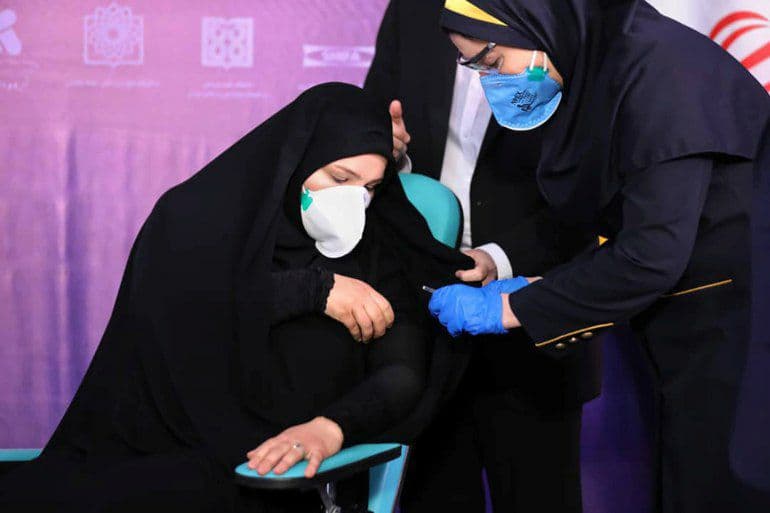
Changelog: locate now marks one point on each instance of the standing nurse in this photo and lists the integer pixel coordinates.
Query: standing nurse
(651, 134)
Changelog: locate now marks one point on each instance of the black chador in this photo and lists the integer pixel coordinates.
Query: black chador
(218, 339)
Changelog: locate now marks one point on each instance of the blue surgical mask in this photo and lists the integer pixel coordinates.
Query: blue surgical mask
(524, 101)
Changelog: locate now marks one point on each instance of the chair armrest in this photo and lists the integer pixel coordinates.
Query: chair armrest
(12, 458)
(18, 455)
(342, 465)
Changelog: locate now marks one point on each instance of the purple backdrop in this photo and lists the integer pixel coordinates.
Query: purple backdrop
(102, 107)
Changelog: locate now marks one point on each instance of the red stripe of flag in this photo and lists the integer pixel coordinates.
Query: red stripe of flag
(757, 57)
(732, 18)
(738, 33)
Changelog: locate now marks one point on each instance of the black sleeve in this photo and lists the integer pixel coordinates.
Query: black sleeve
(383, 77)
(396, 364)
(299, 292)
(393, 386)
(539, 243)
(661, 211)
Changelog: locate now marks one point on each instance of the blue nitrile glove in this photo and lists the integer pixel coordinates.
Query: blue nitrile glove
(507, 286)
(461, 308)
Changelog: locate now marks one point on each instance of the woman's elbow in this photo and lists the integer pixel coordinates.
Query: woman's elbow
(660, 273)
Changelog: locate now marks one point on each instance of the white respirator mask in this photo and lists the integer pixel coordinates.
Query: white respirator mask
(335, 217)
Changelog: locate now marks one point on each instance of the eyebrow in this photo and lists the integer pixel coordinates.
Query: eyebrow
(372, 183)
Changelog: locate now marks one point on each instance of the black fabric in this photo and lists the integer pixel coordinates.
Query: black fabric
(299, 291)
(444, 466)
(697, 345)
(531, 464)
(365, 388)
(187, 365)
(681, 230)
(535, 463)
(750, 447)
(653, 229)
(120, 481)
(195, 303)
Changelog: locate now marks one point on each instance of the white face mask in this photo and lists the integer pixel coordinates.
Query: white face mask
(335, 217)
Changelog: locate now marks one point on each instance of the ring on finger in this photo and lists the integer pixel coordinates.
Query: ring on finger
(299, 447)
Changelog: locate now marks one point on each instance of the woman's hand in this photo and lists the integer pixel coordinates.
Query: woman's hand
(485, 270)
(363, 310)
(314, 441)
(401, 137)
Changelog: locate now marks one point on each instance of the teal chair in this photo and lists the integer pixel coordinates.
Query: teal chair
(10, 458)
(437, 204)
(384, 462)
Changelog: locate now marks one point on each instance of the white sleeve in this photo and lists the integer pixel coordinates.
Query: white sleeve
(406, 164)
(504, 270)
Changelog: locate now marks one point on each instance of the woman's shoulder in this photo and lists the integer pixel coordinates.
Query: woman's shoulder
(679, 93)
(666, 52)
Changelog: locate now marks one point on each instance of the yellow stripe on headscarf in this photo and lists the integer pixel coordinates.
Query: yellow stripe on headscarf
(467, 9)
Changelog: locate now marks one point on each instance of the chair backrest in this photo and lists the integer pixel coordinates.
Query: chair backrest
(437, 204)
(441, 210)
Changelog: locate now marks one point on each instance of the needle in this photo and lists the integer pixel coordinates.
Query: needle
(428, 289)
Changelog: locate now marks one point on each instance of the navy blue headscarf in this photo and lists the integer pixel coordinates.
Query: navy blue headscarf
(640, 89)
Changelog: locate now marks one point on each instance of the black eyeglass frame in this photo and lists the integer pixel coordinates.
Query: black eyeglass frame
(473, 62)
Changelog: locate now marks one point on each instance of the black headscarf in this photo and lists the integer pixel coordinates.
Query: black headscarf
(191, 322)
(640, 89)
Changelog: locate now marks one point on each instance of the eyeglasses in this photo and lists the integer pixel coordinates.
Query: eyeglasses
(474, 62)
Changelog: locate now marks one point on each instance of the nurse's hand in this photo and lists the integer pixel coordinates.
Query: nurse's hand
(485, 270)
(363, 310)
(401, 137)
(477, 311)
(313, 441)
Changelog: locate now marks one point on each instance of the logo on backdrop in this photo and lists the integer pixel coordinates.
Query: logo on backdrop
(320, 56)
(113, 36)
(9, 41)
(16, 71)
(227, 43)
(746, 35)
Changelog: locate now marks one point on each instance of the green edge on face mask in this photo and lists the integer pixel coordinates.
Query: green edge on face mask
(306, 200)
(536, 74)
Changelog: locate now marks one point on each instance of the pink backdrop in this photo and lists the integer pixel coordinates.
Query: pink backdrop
(103, 106)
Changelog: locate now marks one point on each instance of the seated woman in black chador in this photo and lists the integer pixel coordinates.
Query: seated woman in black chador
(238, 320)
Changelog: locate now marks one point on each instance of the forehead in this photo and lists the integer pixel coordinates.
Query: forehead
(467, 44)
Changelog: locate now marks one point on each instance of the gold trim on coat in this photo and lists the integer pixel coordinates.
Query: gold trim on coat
(610, 324)
(698, 289)
(573, 333)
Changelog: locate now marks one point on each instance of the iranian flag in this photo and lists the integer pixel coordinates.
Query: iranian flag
(742, 27)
